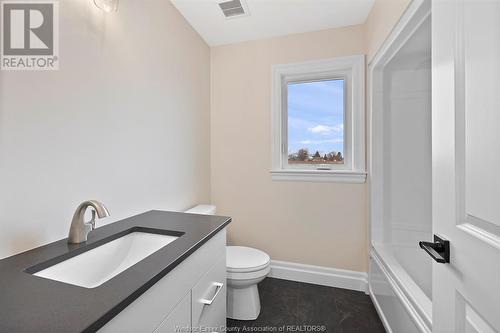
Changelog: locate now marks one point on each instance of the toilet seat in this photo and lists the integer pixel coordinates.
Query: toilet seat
(248, 275)
(242, 259)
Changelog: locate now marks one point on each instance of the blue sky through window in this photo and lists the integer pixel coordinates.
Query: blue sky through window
(316, 116)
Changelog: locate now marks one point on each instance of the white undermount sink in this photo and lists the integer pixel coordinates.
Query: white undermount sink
(96, 266)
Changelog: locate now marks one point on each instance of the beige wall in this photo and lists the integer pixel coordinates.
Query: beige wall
(125, 120)
(311, 223)
(382, 18)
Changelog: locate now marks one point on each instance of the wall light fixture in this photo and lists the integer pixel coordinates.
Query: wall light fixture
(107, 5)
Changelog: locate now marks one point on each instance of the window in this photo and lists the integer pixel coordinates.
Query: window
(315, 136)
(318, 120)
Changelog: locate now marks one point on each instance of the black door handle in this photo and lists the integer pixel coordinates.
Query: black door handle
(439, 250)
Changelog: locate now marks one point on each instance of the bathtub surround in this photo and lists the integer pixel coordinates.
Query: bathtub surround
(124, 120)
(401, 186)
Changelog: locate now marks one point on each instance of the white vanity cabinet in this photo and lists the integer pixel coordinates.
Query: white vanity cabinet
(208, 298)
(192, 297)
(179, 320)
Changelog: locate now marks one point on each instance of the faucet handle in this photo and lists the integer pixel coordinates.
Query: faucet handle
(92, 220)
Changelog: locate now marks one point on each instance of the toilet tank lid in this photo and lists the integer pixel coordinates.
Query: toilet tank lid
(202, 209)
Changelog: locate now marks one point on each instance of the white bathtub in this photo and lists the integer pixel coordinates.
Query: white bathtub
(402, 305)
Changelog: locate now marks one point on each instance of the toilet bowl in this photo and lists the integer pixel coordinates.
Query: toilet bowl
(246, 267)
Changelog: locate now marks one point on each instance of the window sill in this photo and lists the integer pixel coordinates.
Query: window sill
(353, 177)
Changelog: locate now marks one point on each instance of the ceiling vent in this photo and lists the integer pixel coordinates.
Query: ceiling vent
(233, 8)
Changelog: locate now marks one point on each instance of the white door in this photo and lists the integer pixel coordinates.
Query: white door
(466, 163)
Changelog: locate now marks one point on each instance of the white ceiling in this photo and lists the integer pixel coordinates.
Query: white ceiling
(269, 18)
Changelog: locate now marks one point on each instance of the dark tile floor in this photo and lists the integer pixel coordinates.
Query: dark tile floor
(289, 306)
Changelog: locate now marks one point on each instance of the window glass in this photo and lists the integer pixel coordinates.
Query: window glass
(316, 122)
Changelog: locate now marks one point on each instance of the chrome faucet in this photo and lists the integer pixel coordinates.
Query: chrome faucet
(79, 228)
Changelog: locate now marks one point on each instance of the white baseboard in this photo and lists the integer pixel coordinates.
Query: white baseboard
(323, 276)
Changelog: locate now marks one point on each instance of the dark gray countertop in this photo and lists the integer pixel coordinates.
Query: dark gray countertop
(33, 304)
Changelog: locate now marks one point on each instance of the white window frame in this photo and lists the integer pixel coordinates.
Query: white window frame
(352, 70)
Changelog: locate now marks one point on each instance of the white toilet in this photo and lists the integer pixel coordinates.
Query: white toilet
(246, 267)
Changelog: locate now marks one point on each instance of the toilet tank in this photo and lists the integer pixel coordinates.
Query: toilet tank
(202, 209)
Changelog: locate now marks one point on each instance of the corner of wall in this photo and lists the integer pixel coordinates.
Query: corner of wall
(380, 22)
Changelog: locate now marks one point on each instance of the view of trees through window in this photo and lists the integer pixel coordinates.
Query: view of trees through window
(316, 122)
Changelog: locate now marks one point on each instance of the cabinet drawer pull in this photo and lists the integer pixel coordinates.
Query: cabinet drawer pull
(218, 288)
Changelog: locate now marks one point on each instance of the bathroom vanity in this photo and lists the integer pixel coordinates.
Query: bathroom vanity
(192, 295)
(63, 287)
